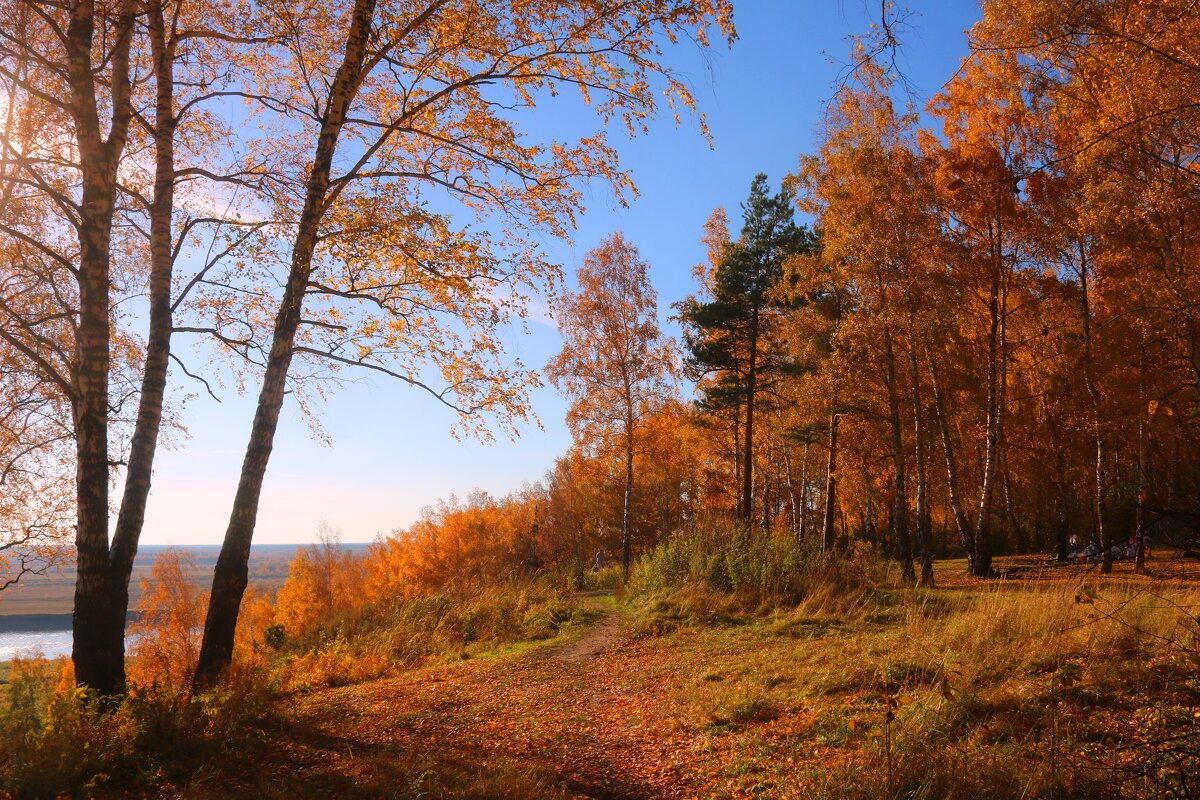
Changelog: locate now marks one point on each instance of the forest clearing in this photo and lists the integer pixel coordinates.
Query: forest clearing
(599, 399)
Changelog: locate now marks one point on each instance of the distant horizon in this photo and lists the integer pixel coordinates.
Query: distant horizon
(217, 545)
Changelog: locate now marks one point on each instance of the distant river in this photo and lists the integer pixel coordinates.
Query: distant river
(50, 644)
(31, 634)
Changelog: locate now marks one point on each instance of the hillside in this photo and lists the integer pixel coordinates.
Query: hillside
(1052, 685)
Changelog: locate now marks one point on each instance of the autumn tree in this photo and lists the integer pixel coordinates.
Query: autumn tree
(731, 339)
(455, 544)
(979, 185)
(999, 325)
(614, 365)
(866, 188)
(430, 98)
(88, 91)
(819, 402)
(1114, 87)
(324, 580)
(90, 180)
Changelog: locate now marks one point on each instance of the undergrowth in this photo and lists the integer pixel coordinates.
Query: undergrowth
(753, 569)
(786, 673)
(835, 689)
(55, 742)
(409, 631)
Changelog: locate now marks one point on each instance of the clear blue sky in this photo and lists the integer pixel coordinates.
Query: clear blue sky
(391, 451)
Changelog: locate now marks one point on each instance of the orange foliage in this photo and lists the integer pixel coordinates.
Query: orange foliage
(324, 582)
(457, 544)
(560, 522)
(166, 634)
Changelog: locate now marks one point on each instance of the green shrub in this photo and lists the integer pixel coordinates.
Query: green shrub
(609, 579)
(759, 566)
(274, 637)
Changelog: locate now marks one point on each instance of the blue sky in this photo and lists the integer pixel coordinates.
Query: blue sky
(391, 451)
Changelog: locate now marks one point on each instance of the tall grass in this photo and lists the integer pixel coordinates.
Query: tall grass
(405, 632)
(1007, 690)
(1017, 691)
(756, 566)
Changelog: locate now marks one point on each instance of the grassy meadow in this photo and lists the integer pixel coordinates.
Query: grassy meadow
(738, 666)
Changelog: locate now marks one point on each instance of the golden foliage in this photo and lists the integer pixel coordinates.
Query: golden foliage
(170, 617)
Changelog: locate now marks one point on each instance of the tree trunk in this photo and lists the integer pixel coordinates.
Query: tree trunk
(737, 462)
(945, 537)
(1060, 466)
(1010, 514)
(747, 510)
(900, 495)
(802, 512)
(1193, 335)
(1089, 379)
(627, 511)
(872, 530)
(956, 506)
(766, 502)
(231, 573)
(791, 489)
(1143, 464)
(98, 646)
(144, 443)
(98, 643)
(981, 566)
(827, 532)
(923, 517)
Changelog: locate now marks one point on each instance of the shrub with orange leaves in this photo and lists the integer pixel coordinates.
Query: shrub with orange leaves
(166, 635)
(455, 544)
(324, 582)
(52, 740)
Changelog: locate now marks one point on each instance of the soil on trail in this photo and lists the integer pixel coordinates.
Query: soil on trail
(600, 638)
(551, 722)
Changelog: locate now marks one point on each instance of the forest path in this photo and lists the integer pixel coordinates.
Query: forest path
(550, 722)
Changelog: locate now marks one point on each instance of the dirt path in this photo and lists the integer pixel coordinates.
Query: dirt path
(603, 636)
(552, 722)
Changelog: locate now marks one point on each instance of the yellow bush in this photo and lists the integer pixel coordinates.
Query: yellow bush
(166, 635)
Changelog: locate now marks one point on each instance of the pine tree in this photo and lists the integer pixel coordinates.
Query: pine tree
(730, 341)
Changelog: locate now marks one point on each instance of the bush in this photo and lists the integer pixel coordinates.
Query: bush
(55, 740)
(274, 637)
(609, 579)
(761, 567)
(51, 739)
(408, 631)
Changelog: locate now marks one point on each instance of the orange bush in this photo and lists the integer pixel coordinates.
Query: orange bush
(166, 635)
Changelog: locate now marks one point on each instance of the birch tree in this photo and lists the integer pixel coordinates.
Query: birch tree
(395, 106)
(614, 366)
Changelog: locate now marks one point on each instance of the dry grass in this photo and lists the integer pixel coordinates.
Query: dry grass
(1004, 689)
(832, 681)
(54, 742)
(386, 639)
(996, 689)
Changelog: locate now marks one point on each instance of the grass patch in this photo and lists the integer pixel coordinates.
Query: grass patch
(990, 690)
(54, 742)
